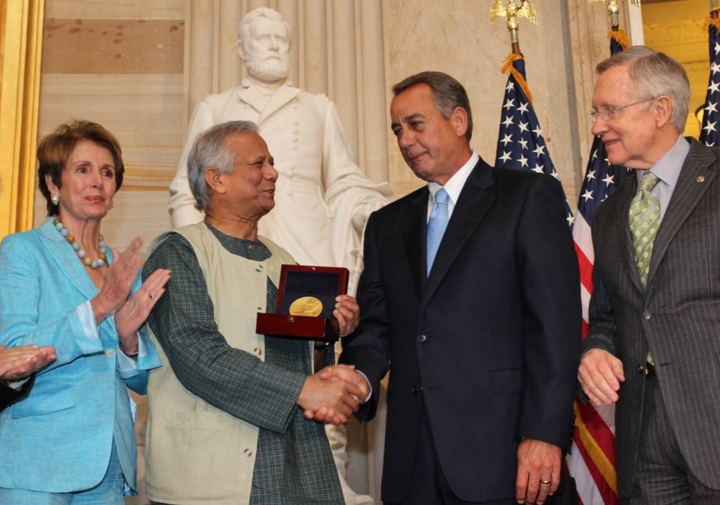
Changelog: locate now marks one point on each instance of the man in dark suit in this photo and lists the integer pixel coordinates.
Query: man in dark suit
(17, 364)
(655, 308)
(484, 348)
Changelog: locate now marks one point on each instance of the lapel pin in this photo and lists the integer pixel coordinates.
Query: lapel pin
(701, 178)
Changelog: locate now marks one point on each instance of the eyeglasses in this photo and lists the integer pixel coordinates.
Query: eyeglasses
(606, 113)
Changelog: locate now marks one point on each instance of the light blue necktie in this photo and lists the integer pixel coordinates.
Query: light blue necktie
(436, 226)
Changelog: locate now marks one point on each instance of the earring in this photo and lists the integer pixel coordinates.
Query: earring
(112, 204)
(55, 199)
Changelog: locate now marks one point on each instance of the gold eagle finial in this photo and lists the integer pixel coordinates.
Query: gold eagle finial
(512, 12)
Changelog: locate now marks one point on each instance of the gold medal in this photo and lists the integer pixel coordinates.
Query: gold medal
(306, 306)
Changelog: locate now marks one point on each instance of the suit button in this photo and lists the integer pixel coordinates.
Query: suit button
(647, 315)
(422, 338)
(109, 353)
(248, 453)
(416, 389)
(641, 369)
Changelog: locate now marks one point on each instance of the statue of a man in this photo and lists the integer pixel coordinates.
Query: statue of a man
(323, 199)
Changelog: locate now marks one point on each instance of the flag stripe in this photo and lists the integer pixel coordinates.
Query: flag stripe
(585, 268)
(605, 493)
(594, 426)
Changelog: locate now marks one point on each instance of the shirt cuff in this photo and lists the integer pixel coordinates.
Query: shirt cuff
(86, 316)
(18, 384)
(369, 395)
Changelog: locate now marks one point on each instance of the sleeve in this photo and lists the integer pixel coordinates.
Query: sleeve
(368, 348)
(550, 280)
(182, 203)
(20, 300)
(603, 327)
(230, 379)
(8, 395)
(147, 357)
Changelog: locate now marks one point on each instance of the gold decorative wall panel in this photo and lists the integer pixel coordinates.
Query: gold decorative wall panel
(19, 90)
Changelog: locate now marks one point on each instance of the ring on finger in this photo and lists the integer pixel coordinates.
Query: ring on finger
(545, 482)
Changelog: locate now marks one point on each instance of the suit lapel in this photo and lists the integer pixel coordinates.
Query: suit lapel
(624, 196)
(66, 260)
(474, 201)
(414, 227)
(696, 176)
(252, 96)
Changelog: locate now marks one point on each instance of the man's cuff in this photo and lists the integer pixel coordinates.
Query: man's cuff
(369, 395)
(18, 384)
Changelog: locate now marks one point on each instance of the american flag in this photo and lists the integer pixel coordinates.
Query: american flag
(592, 460)
(521, 145)
(710, 134)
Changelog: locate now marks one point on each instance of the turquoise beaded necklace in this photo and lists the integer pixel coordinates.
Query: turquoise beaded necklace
(87, 261)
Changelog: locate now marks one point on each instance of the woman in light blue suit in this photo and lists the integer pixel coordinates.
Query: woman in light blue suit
(72, 439)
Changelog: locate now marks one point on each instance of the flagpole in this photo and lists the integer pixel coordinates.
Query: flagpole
(512, 12)
(614, 10)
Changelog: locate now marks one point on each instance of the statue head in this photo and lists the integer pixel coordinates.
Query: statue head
(263, 43)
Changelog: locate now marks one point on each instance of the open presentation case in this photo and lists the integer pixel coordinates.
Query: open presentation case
(306, 300)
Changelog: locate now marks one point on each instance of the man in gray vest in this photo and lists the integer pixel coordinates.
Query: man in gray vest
(323, 197)
(230, 412)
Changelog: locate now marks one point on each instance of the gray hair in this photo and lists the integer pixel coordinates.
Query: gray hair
(655, 74)
(247, 20)
(447, 94)
(210, 151)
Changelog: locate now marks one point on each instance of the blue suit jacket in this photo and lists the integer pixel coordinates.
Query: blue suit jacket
(59, 438)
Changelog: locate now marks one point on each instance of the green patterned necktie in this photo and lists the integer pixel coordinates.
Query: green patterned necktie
(644, 223)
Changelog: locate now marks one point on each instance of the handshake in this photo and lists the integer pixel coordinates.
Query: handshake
(333, 394)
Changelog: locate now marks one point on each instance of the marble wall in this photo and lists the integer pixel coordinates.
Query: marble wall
(456, 36)
(123, 64)
(120, 64)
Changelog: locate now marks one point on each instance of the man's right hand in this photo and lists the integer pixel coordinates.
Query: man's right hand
(330, 399)
(600, 375)
(20, 362)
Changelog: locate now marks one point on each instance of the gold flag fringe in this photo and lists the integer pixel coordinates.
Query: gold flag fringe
(508, 66)
(710, 21)
(620, 37)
